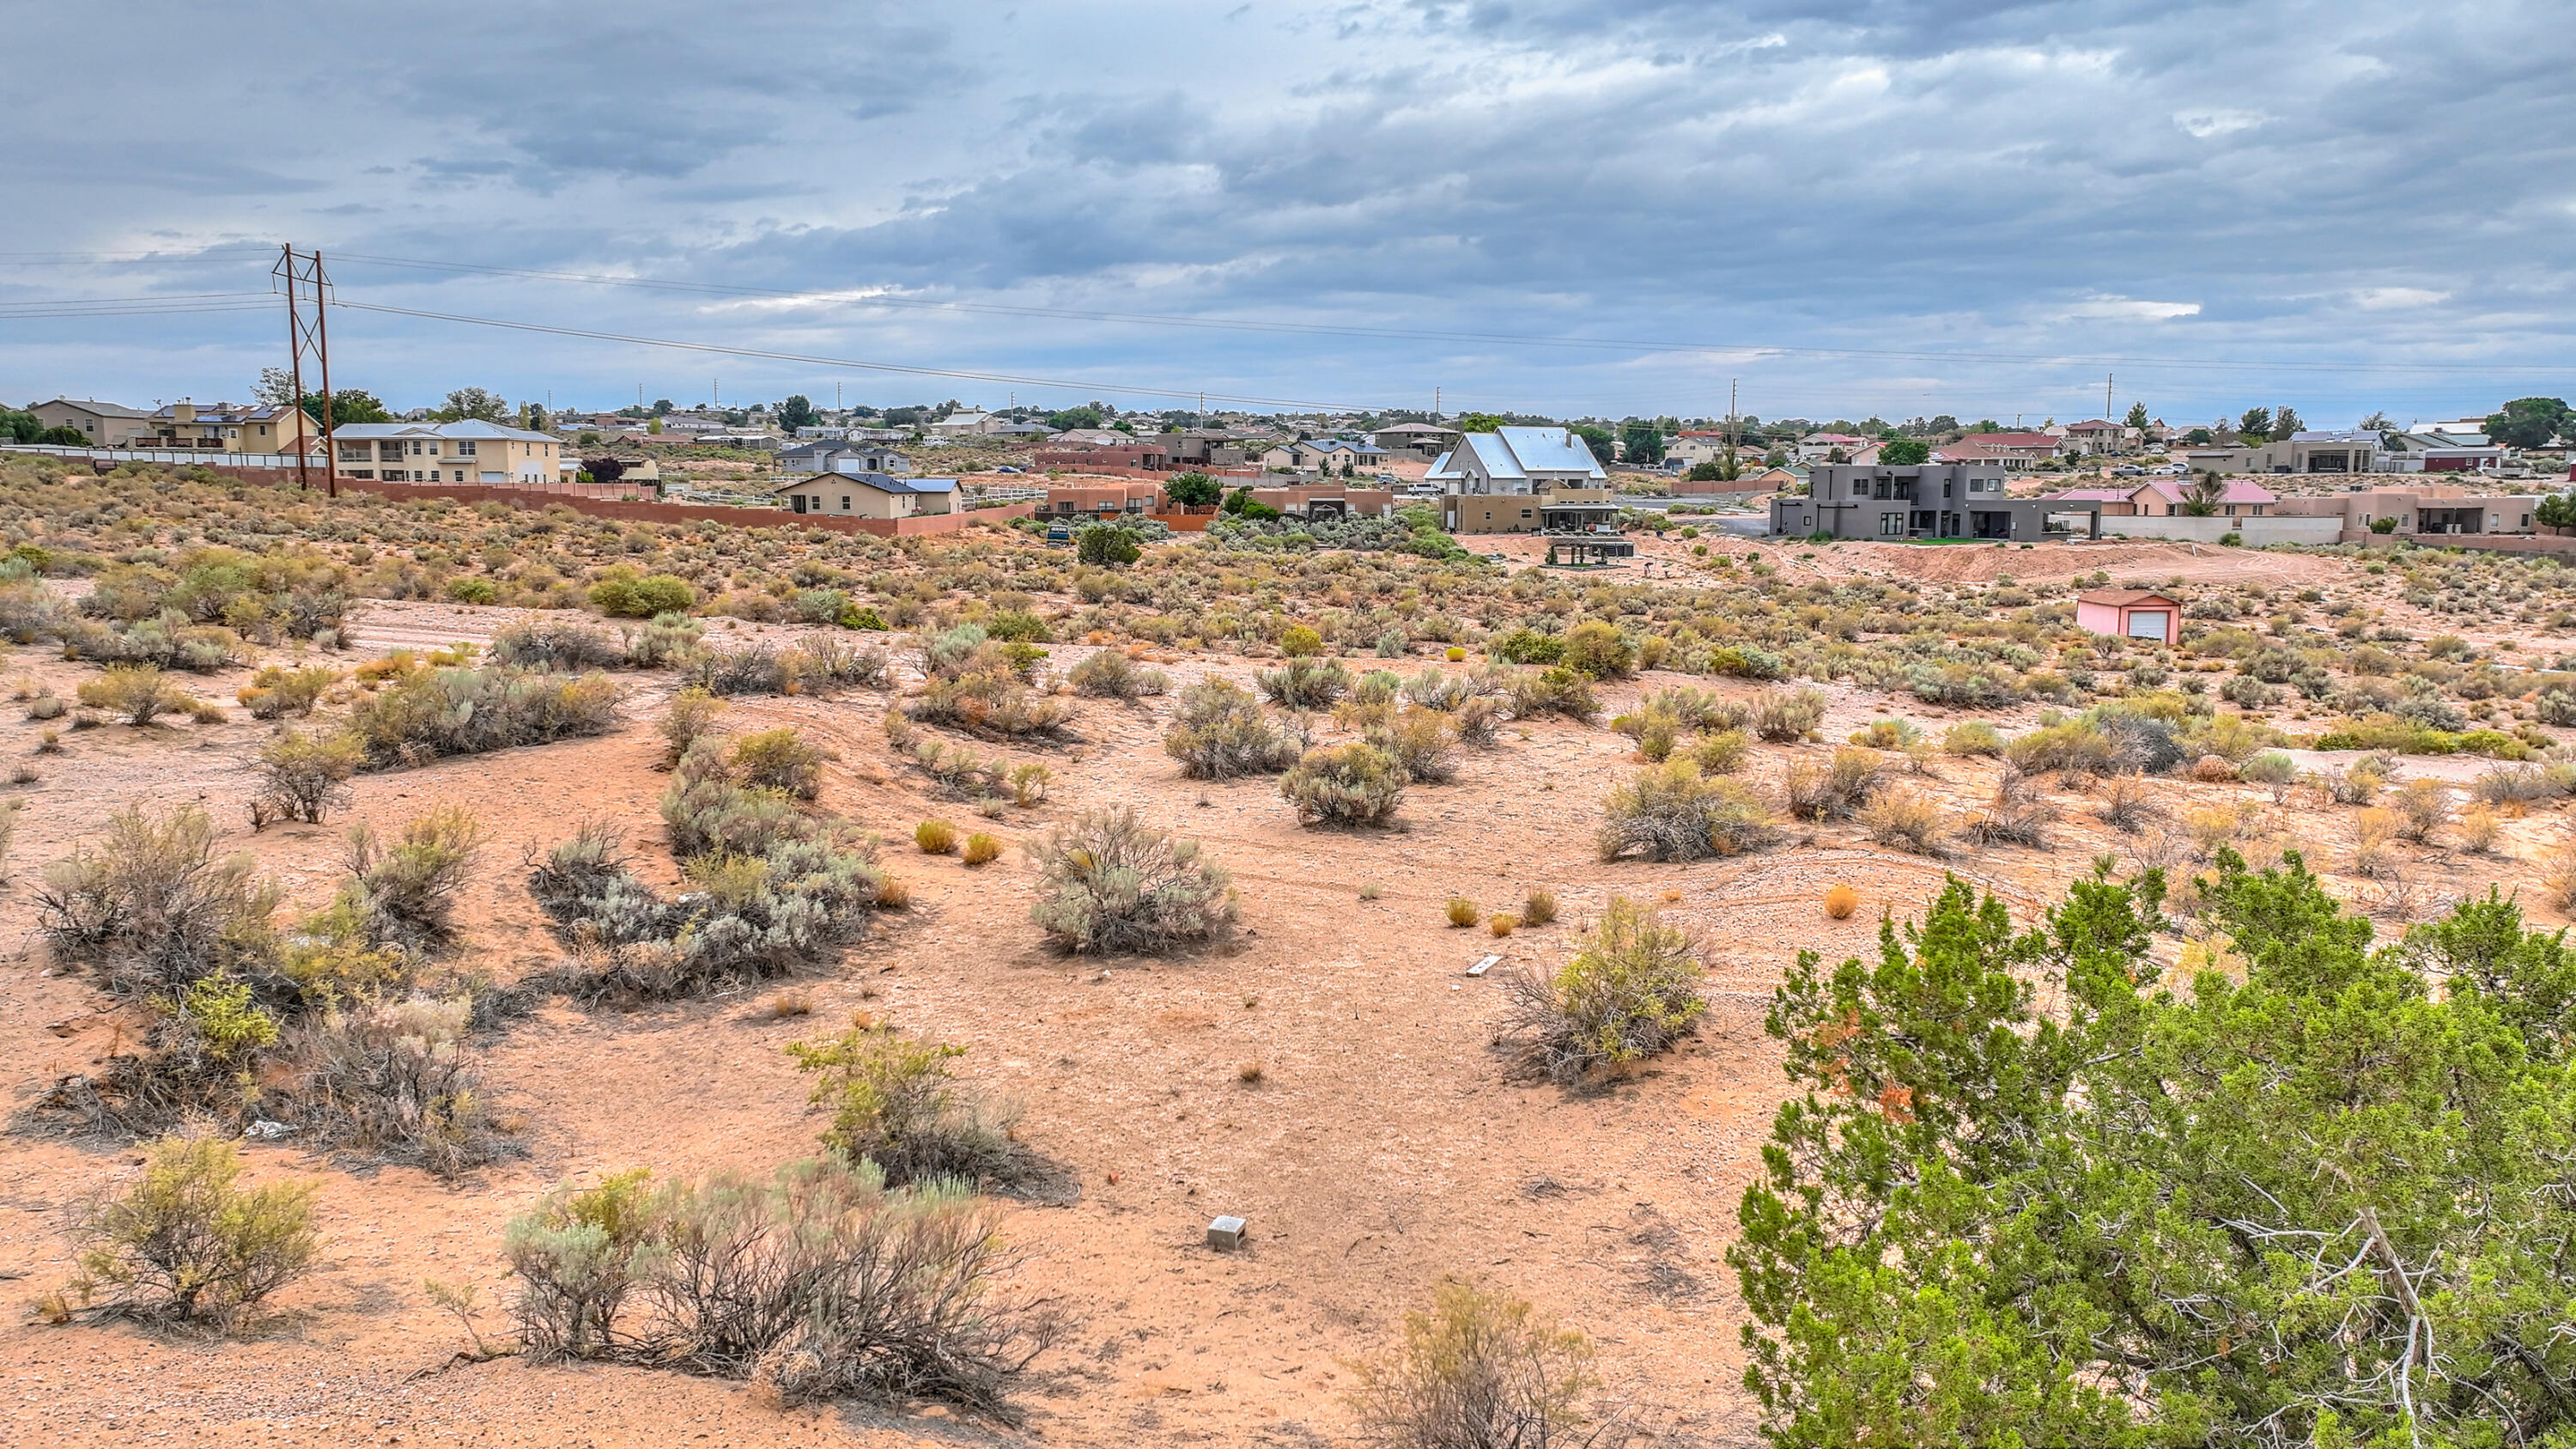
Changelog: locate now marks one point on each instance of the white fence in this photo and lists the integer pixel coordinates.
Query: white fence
(2252, 532)
(207, 456)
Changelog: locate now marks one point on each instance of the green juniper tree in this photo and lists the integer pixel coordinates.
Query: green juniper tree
(2036, 1189)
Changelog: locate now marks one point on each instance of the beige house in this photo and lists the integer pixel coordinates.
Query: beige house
(471, 451)
(872, 495)
(106, 425)
(231, 428)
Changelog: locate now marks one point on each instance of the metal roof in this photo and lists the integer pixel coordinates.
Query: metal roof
(474, 428)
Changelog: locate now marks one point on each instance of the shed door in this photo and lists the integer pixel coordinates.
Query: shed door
(2148, 624)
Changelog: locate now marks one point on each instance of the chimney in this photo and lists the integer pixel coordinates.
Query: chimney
(183, 412)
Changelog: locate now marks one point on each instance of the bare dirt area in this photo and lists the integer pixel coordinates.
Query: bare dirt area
(1328, 1069)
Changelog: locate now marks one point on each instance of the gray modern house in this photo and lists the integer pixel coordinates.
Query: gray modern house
(1925, 500)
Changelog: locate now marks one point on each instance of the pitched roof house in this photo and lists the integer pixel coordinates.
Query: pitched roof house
(1518, 460)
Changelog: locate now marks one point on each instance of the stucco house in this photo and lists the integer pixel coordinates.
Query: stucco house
(2128, 613)
(470, 451)
(872, 495)
(105, 424)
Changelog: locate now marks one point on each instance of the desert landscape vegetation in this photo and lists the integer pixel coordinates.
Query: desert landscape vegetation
(751, 984)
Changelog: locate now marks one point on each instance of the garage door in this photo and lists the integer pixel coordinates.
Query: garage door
(2149, 624)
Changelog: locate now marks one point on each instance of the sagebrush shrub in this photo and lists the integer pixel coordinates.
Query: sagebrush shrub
(429, 713)
(152, 907)
(278, 690)
(693, 712)
(1352, 784)
(556, 645)
(398, 1078)
(1422, 741)
(1220, 731)
(1673, 812)
(187, 1242)
(817, 1283)
(1782, 715)
(1303, 683)
(1556, 690)
(139, 692)
(405, 889)
(1110, 882)
(1109, 674)
(1631, 990)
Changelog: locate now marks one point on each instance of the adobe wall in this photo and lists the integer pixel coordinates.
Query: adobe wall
(941, 523)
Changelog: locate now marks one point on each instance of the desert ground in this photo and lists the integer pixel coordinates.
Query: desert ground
(1328, 1070)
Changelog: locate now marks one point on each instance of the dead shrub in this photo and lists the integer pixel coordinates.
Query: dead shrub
(1110, 883)
(397, 1078)
(1631, 990)
(2213, 770)
(2373, 831)
(2016, 814)
(1841, 901)
(2128, 805)
(2423, 807)
(152, 908)
(2479, 829)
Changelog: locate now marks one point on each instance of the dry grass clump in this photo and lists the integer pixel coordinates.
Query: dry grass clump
(2515, 786)
(2213, 770)
(1539, 908)
(139, 692)
(279, 690)
(2558, 875)
(2479, 829)
(1631, 991)
(1220, 732)
(1502, 923)
(2423, 807)
(1782, 715)
(1973, 737)
(1352, 784)
(935, 837)
(1840, 901)
(1673, 812)
(981, 849)
(1904, 820)
(1463, 912)
(1108, 882)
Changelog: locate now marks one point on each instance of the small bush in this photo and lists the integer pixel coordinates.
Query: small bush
(935, 837)
(780, 760)
(1672, 812)
(1904, 820)
(1630, 991)
(139, 692)
(1109, 882)
(1837, 790)
(2273, 770)
(1303, 683)
(1220, 732)
(1598, 649)
(816, 1284)
(1353, 784)
(1782, 715)
(1481, 1368)
(2016, 814)
(2513, 785)
(2423, 808)
(622, 595)
(406, 890)
(982, 849)
(896, 1103)
(2374, 830)
(1422, 742)
(1973, 737)
(1721, 753)
(1559, 691)
(751, 916)
(278, 691)
(555, 645)
(1108, 674)
(693, 713)
(2479, 829)
(188, 1243)
(303, 775)
(152, 907)
(431, 713)
(1502, 923)
(2127, 805)
(1463, 912)
(1841, 901)
(1539, 908)
(397, 1078)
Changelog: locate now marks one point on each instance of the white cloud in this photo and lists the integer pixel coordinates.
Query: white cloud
(2382, 299)
(2102, 307)
(2210, 124)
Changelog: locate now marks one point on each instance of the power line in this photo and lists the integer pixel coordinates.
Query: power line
(811, 359)
(1323, 329)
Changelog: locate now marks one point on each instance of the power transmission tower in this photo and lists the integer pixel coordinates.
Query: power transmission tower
(302, 274)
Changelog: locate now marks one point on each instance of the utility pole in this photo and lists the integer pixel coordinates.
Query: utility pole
(300, 271)
(2106, 397)
(1435, 402)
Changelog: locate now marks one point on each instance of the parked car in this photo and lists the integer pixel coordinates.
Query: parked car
(1006, 468)
(2167, 470)
(2128, 470)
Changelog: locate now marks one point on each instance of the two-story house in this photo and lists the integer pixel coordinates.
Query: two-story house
(470, 451)
(105, 424)
(1522, 480)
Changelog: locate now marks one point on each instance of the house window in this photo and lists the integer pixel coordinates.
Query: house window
(845, 503)
(465, 449)
(1891, 525)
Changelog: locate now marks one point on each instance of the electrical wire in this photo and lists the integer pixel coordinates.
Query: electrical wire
(1320, 329)
(813, 360)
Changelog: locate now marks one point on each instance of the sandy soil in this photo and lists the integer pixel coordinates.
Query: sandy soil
(1386, 1144)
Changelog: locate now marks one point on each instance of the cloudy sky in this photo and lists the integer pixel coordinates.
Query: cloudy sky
(1966, 206)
